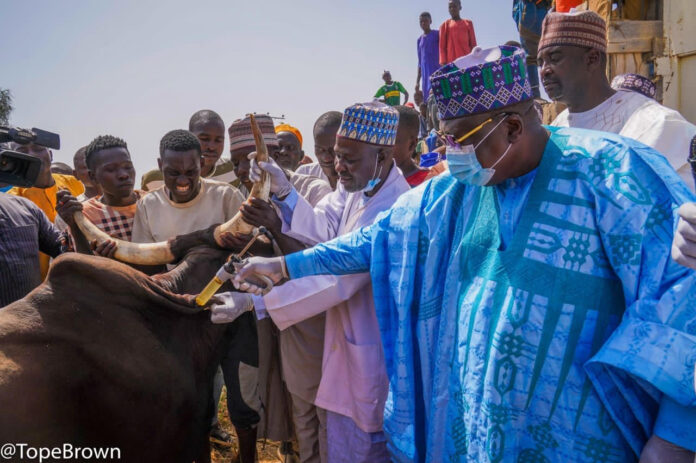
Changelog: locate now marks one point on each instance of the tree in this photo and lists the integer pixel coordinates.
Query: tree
(5, 105)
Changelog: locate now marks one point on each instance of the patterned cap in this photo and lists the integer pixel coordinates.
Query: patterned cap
(481, 81)
(580, 29)
(634, 82)
(374, 123)
(293, 130)
(242, 137)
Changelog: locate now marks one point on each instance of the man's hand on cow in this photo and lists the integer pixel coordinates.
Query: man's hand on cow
(684, 244)
(280, 185)
(270, 267)
(227, 307)
(66, 206)
(658, 450)
(260, 213)
(104, 249)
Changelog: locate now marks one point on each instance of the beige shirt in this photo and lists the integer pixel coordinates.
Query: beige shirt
(311, 188)
(158, 218)
(313, 169)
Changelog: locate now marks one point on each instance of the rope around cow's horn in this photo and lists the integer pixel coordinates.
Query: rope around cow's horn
(161, 253)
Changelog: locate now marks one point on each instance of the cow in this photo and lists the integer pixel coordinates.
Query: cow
(101, 355)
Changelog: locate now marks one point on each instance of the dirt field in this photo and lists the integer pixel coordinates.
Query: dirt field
(267, 450)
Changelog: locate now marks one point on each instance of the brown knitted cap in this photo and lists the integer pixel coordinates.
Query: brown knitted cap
(581, 29)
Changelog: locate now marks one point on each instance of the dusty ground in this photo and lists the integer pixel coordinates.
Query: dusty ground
(267, 450)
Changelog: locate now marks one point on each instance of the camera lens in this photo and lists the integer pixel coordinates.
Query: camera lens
(7, 165)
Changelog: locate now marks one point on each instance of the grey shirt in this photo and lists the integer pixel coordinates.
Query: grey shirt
(24, 231)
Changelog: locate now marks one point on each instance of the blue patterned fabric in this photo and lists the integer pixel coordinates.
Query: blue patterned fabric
(481, 81)
(562, 345)
(374, 123)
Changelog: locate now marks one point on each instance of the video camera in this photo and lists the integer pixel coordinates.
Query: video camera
(19, 169)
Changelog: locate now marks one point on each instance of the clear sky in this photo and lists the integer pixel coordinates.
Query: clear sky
(137, 69)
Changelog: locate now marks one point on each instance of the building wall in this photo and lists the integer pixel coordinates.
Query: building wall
(678, 66)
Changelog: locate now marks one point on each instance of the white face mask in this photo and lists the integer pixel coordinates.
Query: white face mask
(372, 184)
(465, 166)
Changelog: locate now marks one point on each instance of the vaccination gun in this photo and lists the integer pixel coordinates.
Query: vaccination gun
(227, 271)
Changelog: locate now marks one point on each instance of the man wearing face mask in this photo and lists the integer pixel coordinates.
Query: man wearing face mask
(528, 306)
(353, 386)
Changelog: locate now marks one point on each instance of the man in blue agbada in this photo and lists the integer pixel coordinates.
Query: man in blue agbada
(528, 305)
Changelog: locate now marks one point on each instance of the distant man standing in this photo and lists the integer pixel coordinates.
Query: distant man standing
(428, 54)
(391, 91)
(457, 36)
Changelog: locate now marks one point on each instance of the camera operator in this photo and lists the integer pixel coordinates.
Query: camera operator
(24, 231)
(45, 189)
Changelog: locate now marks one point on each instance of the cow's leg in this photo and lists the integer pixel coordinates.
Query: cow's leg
(247, 444)
(203, 455)
(240, 368)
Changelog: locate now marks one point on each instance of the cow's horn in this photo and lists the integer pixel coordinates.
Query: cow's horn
(260, 189)
(133, 253)
(161, 253)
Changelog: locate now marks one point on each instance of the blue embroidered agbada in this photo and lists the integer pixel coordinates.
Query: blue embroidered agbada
(540, 320)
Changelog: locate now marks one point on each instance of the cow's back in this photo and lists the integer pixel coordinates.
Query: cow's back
(85, 360)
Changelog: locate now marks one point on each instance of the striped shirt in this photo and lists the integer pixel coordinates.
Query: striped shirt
(24, 230)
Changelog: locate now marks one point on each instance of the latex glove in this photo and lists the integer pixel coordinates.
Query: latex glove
(271, 267)
(227, 307)
(280, 185)
(684, 244)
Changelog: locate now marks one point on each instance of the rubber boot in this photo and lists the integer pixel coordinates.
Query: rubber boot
(247, 444)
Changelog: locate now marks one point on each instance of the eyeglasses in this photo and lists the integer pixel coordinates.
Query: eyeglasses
(452, 141)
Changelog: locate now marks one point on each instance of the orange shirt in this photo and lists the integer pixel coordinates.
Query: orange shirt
(45, 198)
(564, 6)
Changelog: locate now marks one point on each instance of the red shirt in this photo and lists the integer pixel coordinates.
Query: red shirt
(416, 179)
(457, 39)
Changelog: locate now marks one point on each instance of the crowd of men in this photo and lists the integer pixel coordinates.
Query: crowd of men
(486, 288)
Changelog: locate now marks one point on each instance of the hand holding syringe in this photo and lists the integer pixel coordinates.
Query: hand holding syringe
(227, 272)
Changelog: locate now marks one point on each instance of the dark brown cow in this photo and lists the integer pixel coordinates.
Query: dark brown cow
(101, 355)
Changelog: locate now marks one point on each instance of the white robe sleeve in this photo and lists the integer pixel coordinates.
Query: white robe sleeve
(318, 224)
(298, 300)
(667, 132)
